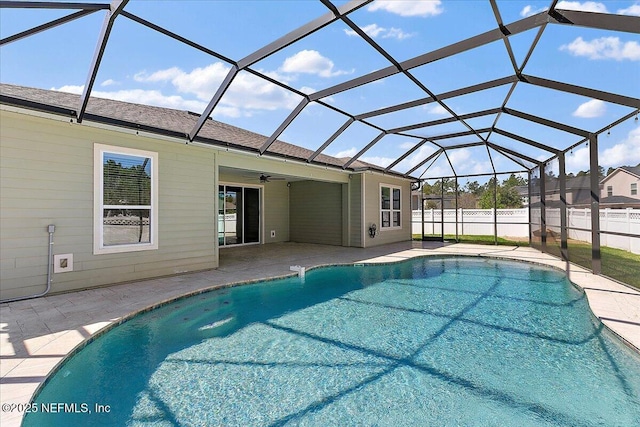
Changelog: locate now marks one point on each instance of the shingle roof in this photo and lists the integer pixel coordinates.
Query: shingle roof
(632, 169)
(162, 120)
(618, 200)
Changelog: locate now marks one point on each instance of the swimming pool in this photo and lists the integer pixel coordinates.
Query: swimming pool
(432, 341)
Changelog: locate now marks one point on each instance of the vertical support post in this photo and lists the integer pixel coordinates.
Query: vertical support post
(442, 210)
(455, 183)
(422, 207)
(543, 207)
(530, 194)
(495, 209)
(563, 208)
(596, 261)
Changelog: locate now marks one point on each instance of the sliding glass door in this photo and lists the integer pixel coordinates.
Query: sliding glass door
(238, 215)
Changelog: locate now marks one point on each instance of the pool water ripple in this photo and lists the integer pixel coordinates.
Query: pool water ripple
(433, 341)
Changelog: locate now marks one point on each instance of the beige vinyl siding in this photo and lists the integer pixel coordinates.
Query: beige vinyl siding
(315, 212)
(355, 207)
(372, 209)
(276, 211)
(47, 178)
(274, 201)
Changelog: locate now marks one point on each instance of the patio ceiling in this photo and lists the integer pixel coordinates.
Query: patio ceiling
(503, 109)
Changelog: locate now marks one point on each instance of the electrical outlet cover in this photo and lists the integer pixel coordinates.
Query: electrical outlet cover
(62, 263)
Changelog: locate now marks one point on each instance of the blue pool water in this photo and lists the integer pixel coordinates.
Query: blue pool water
(433, 341)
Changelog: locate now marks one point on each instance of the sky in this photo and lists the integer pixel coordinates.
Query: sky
(144, 66)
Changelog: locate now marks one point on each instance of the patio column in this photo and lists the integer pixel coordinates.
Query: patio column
(422, 208)
(563, 208)
(596, 261)
(495, 209)
(456, 194)
(530, 194)
(543, 207)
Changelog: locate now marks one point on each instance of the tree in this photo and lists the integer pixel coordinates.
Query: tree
(506, 194)
(514, 181)
(474, 188)
(601, 173)
(467, 201)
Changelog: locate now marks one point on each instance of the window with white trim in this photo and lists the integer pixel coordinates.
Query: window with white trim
(634, 188)
(609, 190)
(390, 207)
(125, 199)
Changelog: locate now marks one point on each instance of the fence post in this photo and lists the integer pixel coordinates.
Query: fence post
(628, 212)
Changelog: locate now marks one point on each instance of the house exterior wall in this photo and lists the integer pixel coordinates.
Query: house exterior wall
(372, 183)
(621, 181)
(276, 212)
(47, 177)
(316, 214)
(47, 168)
(275, 205)
(356, 194)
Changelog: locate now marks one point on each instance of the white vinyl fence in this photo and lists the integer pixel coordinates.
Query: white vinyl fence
(475, 222)
(614, 220)
(515, 223)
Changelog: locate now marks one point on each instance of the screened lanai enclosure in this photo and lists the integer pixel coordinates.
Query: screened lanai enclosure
(471, 93)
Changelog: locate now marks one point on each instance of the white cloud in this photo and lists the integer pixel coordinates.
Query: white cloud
(587, 6)
(109, 82)
(140, 96)
(77, 90)
(373, 31)
(604, 48)
(246, 95)
(377, 160)
(417, 157)
(529, 10)
(407, 145)
(577, 160)
(633, 10)
(346, 153)
(437, 110)
(159, 76)
(626, 152)
(422, 8)
(590, 109)
(397, 33)
(311, 62)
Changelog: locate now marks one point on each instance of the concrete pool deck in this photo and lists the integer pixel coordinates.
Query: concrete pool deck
(36, 334)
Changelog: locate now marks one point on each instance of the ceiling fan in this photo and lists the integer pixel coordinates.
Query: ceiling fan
(268, 178)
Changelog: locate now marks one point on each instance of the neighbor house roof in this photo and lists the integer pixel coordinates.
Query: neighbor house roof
(163, 121)
(633, 170)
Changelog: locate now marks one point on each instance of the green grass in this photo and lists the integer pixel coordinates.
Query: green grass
(480, 240)
(618, 264)
(621, 265)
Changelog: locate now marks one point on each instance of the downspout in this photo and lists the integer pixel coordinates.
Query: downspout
(51, 229)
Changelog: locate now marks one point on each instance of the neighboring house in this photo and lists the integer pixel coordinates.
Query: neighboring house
(523, 192)
(578, 191)
(621, 188)
(431, 201)
(131, 198)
